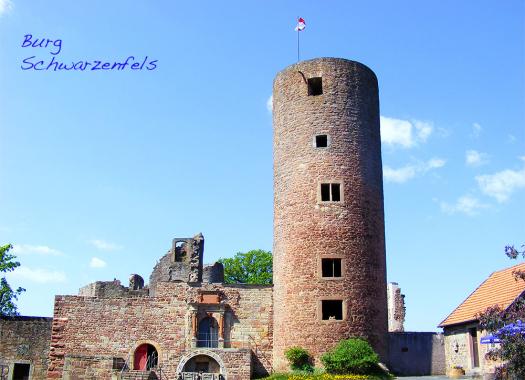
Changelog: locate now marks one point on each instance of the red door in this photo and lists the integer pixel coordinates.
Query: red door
(141, 357)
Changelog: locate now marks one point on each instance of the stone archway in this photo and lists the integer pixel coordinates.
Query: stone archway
(202, 353)
(144, 356)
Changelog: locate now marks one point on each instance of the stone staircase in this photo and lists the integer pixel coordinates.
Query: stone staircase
(138, 375)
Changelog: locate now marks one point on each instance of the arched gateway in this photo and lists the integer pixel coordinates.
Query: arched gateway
(202, 361)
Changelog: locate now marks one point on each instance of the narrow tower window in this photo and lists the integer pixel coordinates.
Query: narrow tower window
(325, 192)
(332, 310)
(321, 141)
(336, 192)
(331, 192)
(331, 267)
(315, 86)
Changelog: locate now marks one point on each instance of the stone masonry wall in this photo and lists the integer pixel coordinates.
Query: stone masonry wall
(88, 331)
(459, 352)
(26, 340)
(307, 229)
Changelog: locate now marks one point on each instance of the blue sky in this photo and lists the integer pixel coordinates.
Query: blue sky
(99, 170)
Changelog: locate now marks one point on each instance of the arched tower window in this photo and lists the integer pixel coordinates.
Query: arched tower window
(208, 333)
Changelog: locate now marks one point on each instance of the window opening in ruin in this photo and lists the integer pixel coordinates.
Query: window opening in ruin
(180, 251)
(474, 342)
(119, 363)
(331, 267)
(332, 310)
(331, 192)
(321, 141)
(208, 333)
(404, 349)
(315, 86)
(21, 371)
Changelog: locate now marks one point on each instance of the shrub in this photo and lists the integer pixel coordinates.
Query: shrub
(299, 359)
(351, 356)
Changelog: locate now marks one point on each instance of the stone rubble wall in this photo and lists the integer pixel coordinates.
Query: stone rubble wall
(458, 350)
(26, 340)
(307, 229)
(87, 331)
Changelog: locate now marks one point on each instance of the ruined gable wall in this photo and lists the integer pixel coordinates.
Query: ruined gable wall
(113, 327)
(25, 340)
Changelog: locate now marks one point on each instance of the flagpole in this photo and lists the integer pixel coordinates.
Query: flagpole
(298, 32)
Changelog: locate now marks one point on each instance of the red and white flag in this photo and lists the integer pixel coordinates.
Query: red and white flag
(300, 25)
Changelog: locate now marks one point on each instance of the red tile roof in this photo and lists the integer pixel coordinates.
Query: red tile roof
(501, 288)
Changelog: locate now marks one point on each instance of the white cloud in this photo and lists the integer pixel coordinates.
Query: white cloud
(27, 249)
(476, 130)
(104, 245)
(433, 163)
(5, 6)
(97, 263)
(399, 175)
(39, 275)
(404, 133)
(407, 172)
(475, 158)
(269, 104)
(466, 204)
(502, 184)
(423, 130)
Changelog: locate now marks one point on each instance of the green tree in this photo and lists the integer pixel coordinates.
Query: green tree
(7, 294)
(512, 348)
(253, 267)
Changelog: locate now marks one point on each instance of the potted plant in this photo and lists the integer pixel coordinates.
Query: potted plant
(456, 372)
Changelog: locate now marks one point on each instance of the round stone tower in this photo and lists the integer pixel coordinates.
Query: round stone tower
(329, 245)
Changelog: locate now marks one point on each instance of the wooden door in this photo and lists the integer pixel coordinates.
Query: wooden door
(141, 357)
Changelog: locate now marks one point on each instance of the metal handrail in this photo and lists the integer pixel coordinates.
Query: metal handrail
(125, 367)
(152, 361)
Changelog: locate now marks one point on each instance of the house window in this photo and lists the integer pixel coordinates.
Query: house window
(331, 267)
(315, 86)
(321, 141)
(332, 310)
(21, 371)
(331, 192)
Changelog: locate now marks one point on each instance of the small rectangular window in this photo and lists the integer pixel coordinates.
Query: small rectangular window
(321, 141)
(331, 267)
(332, 310)
(21, 371)
(336, 193)
(325, 192)
(315, 86)
(330, 192)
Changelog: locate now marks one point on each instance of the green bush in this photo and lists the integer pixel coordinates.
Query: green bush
(351, 356)
(299, 359)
